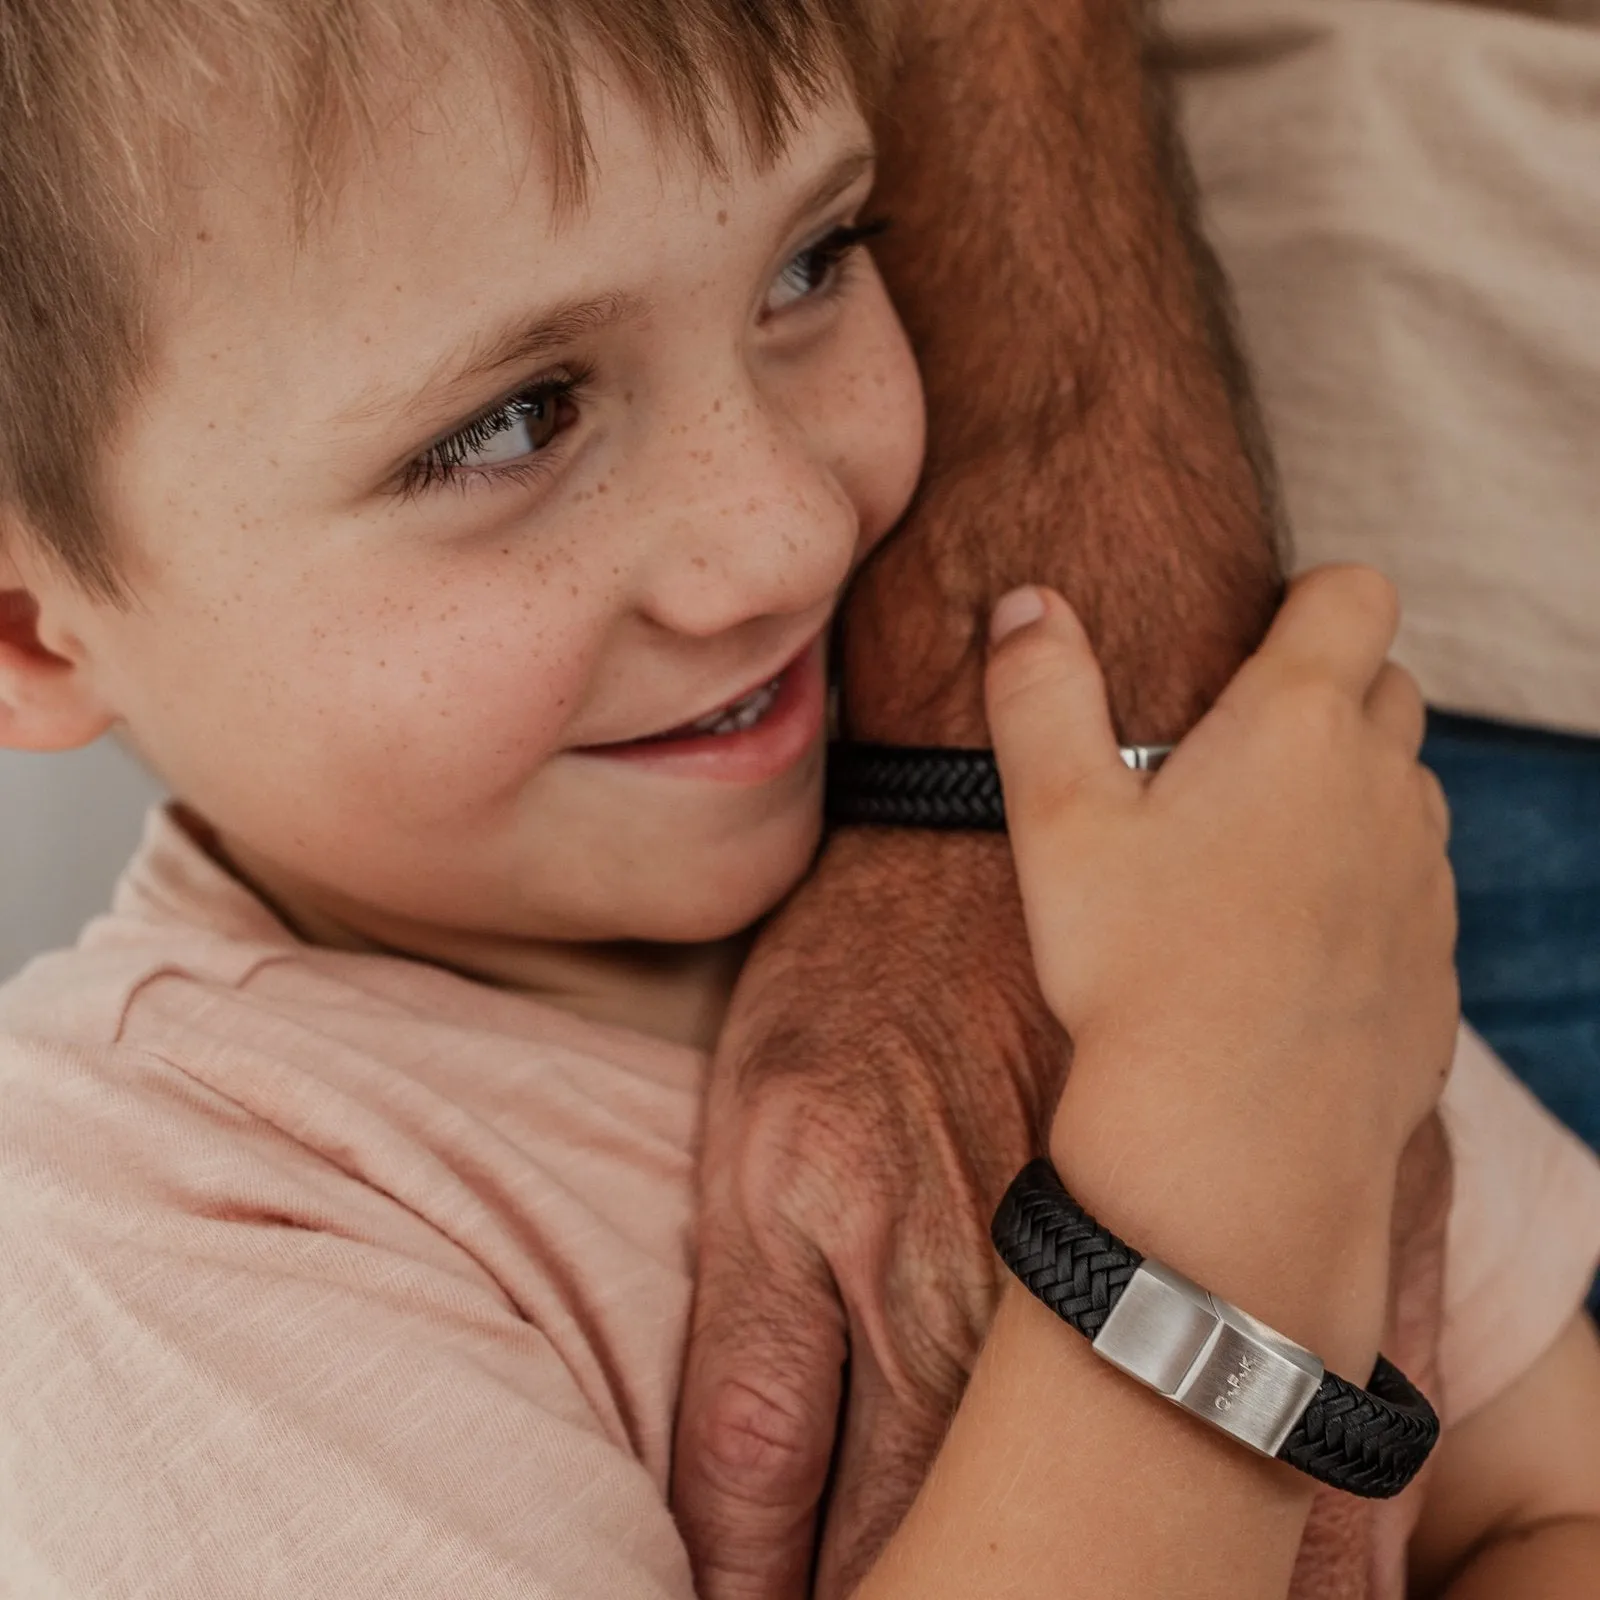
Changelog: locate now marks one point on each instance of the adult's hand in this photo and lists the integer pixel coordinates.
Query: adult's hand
(887, 1068)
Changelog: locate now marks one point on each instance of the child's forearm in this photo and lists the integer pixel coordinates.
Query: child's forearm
(1553, 1561)
(1061, 1479)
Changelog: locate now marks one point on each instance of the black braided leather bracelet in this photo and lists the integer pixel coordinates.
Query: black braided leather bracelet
(914, 786)
(1207, 1356)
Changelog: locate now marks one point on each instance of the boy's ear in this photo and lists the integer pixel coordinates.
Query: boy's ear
(47, 701)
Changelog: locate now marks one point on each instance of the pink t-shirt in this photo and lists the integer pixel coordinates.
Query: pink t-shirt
(335, 1274)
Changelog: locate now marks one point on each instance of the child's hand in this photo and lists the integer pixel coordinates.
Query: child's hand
(1252, 951)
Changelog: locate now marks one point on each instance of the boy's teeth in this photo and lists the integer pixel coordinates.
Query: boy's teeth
(742, 714)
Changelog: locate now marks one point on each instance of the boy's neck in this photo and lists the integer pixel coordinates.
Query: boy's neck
(677, 993)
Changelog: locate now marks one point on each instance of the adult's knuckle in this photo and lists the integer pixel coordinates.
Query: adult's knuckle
(756, 1442)
(793, 1157)
(774, 1035)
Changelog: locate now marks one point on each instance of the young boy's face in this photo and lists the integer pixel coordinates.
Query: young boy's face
(433, 521)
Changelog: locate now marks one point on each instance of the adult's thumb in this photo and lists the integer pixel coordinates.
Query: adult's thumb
(1048, 717)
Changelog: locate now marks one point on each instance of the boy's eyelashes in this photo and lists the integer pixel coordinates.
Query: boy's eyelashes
(509, 437)
(815, 269)
(512, 437)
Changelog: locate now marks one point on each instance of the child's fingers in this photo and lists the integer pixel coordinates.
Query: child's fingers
(1048, 717)
(1395, 704)
(1337, 622)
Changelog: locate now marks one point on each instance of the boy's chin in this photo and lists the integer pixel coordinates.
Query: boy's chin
(732, 894)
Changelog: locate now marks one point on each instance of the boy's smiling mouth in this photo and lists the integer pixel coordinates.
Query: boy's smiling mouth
(756, 735)
(735, 717)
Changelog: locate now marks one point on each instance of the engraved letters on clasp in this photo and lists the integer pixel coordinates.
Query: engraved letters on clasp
(1209, 1357)
(1248, 1366)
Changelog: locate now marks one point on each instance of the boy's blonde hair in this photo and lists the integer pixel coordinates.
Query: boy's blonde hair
(100, 99)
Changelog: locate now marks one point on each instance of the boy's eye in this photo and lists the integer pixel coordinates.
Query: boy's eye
(815, 269)
(518, 428)
(514, 431)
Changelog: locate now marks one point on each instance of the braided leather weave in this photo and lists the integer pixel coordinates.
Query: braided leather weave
(1369, 1442)
(919, 786)
(902, 786)
(1061, 1254)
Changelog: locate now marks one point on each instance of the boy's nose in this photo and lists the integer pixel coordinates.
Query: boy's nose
(752, 523)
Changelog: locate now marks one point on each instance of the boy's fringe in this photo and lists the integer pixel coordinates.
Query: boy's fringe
(103, 102)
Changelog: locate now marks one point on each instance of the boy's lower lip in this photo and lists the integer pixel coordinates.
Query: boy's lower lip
(786, 730)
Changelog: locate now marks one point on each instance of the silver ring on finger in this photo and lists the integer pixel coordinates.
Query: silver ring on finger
(1145, 757)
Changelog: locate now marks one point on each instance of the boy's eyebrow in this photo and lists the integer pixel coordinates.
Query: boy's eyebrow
(524, 342)
(847, 171)
(555, 330)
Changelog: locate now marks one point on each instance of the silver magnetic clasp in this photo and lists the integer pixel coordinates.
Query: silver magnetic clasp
(1209, 1357)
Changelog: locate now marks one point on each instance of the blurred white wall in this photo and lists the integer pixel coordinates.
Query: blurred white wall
(68, 824)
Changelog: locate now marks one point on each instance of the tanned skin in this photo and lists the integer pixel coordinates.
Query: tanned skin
(888, 1064)
(1085, 399)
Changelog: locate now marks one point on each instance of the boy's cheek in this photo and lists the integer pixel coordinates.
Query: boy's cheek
(436, 719)
(444, 739)
(889, 442)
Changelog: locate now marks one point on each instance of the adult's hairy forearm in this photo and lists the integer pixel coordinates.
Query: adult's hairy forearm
(1087, 422)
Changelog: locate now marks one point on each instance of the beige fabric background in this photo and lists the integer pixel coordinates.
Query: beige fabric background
(1407, 196)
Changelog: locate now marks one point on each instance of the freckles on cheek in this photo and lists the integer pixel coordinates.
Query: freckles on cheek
(456, 706)
(874, 403)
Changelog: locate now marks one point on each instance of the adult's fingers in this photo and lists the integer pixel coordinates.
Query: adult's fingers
(1395, 704)
(889, 1441)
(1338, 621)
(757, 1416)
(1048, 716)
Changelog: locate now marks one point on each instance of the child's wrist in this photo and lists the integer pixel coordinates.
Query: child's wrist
(1288, 1231)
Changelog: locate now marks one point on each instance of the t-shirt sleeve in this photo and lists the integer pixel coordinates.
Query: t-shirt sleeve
(1524, 1231)
(204, 1398)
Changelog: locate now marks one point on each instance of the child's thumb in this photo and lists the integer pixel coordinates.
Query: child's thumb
(1048, 717)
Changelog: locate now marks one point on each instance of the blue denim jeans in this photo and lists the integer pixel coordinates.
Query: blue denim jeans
(1526, 851)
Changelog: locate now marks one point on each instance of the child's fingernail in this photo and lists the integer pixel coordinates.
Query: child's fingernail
(1013, 611)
